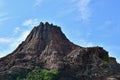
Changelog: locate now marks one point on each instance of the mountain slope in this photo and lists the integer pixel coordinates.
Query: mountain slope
(47, 47)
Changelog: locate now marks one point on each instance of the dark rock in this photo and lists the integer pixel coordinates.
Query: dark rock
(47, 47)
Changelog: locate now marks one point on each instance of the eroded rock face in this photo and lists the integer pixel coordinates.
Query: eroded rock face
(47, 47)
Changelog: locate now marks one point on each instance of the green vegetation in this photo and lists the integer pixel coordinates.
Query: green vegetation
(106, 59)
(17, 75)
(40, 74)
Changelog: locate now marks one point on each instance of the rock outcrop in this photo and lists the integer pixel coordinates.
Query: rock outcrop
(47, 47)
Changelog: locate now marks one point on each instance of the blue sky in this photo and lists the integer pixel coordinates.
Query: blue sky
(84, 22)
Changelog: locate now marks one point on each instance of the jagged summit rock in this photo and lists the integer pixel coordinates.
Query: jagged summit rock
(45, 36)
(47, 47)
(46, 32)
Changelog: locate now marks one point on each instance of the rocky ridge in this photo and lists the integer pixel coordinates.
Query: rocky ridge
(47, 47)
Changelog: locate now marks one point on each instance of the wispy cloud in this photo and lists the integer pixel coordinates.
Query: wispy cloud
(37, 2)
(5, 40)
(24, 33)
(13, 41)
(3, 14)
(4, 17)
(30, 22)
(86, 43)
(16, 41)
(81, 7)
(16, 30)
(84, 9)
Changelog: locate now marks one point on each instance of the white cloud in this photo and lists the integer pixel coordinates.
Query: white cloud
(16, 30)
(84, 9)
(18, 40)
(4, 17)
(37, 2)
(31, 22)
(118, 60)
(5, 40)
(24, 33)
(13, 42)
(85, 43)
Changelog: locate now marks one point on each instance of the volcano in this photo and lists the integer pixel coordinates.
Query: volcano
(48, 48)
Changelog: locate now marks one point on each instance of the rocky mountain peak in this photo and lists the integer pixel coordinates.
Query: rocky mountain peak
(44, 35)
(46, 32)
(48, 48)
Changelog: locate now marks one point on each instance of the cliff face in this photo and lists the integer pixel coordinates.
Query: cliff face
(47, 47)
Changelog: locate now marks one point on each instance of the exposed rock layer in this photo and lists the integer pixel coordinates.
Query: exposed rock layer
(47, 47)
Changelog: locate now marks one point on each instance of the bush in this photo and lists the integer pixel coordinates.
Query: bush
(41, 74)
